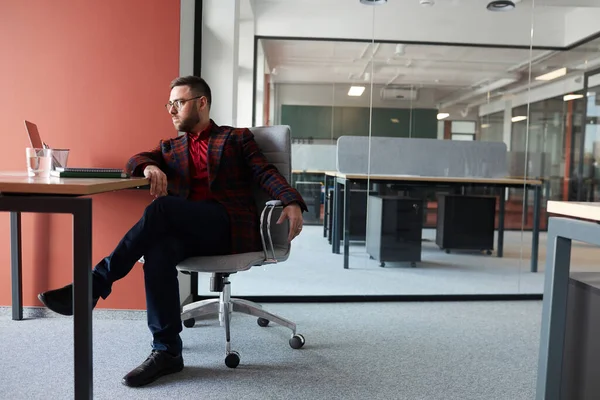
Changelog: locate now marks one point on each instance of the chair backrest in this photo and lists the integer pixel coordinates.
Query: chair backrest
(276, 144)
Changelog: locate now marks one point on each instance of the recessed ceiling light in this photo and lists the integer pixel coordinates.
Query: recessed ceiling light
(568, 97)
(356, 90)
(552, 75)
(518, 118)
(373, 2)
(442, 115)
(395, 120)
(501, 5)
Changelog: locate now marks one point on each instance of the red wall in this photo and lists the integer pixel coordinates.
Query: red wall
(94, 76)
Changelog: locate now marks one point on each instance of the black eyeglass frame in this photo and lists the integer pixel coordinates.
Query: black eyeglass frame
(179, 103)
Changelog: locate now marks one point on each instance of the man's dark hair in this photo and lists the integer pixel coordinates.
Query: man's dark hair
(198, 86)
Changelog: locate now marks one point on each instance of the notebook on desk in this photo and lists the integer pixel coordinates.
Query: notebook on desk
(89, 173)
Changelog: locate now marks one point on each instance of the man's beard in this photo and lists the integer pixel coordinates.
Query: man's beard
(187, 124)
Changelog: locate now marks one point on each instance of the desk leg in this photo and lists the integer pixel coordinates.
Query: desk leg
(554, 315)
(337, 218)
(82, 298)
(347, 223)
(501, 214)
(330, 203)
(535, 240)
(526, 205)
(546, 192)
(16, 266)
(325, 204)
(326, 215)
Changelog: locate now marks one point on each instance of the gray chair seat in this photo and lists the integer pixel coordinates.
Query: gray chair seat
(230, 263)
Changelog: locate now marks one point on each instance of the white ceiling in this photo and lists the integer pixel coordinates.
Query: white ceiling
(456, 74)
(521, 4)
(293, 61)
(450, 76)
(567, 3)
(557, 23)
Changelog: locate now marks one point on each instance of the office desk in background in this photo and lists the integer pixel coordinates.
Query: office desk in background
(569, 221)
(340, 223)
(311, 171)
(19, 193)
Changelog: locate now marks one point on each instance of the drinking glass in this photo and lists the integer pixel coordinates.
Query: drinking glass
(39, 162)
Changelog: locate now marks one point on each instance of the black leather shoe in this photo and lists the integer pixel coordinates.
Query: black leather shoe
(159, 363)
(60, 300)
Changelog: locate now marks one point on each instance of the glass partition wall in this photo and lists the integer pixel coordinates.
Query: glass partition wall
(423, 162)
(355, 108)
(443, 222)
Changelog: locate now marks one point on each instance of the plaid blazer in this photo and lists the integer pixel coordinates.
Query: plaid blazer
(234, 163)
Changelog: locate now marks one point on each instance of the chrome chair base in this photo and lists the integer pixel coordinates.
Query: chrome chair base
(224, 307)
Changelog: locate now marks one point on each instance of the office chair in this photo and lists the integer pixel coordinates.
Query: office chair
(275, 143)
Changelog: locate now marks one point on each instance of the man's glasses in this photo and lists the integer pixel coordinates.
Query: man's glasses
(178, 104)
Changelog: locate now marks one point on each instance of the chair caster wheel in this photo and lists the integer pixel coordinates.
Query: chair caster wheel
(382, 264)
(262, 322)
(297, 341)
(190, 322)
(447, 251)
(233, 359)
(488, 252)
(413, 264)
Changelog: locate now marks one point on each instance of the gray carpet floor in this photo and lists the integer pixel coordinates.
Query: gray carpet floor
(467, 350)
(313, 270)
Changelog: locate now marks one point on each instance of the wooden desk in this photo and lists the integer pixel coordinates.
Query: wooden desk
(19, 193)
(574, 209)
(437, 179)
(341, 222)
(569, 221)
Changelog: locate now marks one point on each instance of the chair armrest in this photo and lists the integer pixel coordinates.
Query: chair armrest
(273, 203)
(270, 206)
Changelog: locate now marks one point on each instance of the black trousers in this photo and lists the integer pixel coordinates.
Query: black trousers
(170, 230)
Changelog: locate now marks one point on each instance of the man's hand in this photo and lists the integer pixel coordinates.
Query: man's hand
(294, 214)
(158, 180)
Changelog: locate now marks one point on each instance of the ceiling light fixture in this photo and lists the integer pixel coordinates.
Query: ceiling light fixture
(568, 97)
(552, 75)
(501, 5)
(442, 116)
(395, 120)
(373, 2)
(356, 91)
(518, 118)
